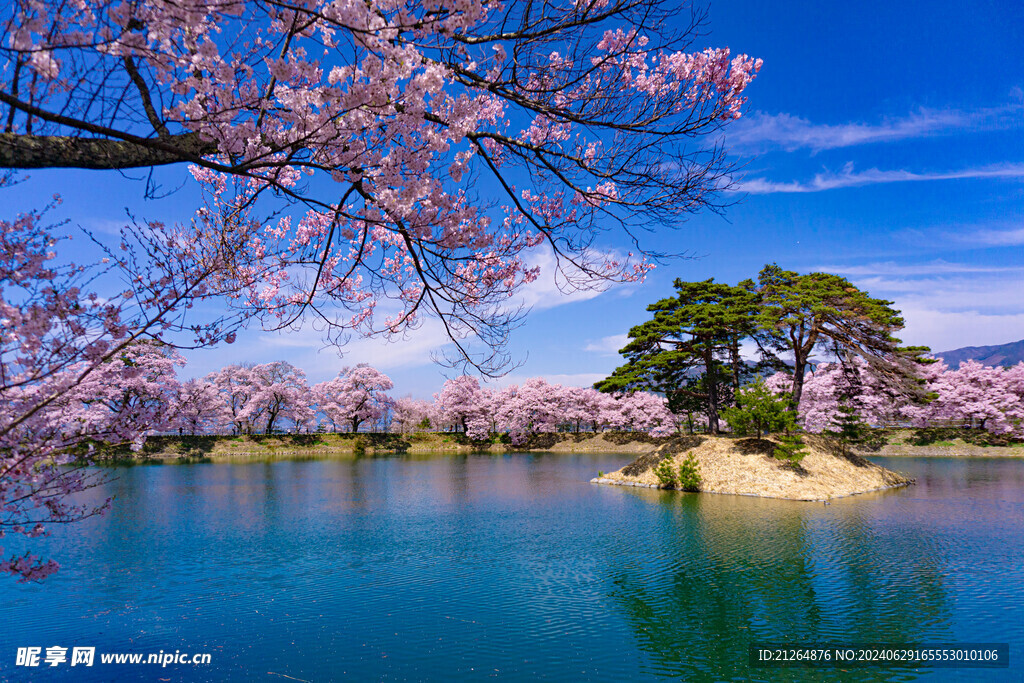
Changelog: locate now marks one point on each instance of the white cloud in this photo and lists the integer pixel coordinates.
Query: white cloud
(946, 305)
(608, 346)
(306, 347)
(873, 176)
(947, 330)
(949, 293)
(987, 237)
(787, 132)
(582, 379)
(558, 287)
(891, 268)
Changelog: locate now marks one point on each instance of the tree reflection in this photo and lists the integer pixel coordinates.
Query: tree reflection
(726, 571)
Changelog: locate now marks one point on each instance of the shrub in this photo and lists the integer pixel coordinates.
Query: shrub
(848, 428)
(758, 410)
(359, 446)
(600, 473)
(665, 472)
(689, 474)
(791, 450)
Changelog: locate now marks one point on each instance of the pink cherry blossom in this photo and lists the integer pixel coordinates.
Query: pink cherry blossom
(356, 395)
(349, 139)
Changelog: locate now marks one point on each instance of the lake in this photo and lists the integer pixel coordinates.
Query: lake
(515, 567)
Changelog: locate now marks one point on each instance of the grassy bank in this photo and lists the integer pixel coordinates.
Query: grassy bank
(227, 448)
(899, 442)
(939, 442)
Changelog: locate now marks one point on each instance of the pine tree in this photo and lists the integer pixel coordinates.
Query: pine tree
(695, 334)
(760, 410)
(800, 313)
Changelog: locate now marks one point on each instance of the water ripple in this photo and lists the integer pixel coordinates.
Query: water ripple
(513, 567)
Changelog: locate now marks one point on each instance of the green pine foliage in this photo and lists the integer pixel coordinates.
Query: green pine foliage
(689, 474)
(848, 428)
(689, 350)
(759, 411)
(791, 450)
(694, 334)
(665, 472)
(800, 313)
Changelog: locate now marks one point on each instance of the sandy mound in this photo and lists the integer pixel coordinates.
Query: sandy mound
(747, 467)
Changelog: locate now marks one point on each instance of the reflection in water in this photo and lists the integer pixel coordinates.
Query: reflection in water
(513, 566)
(723, 571)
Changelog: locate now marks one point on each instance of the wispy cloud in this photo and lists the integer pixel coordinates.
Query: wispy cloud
(948, 305)
(582, 379)
(764, 132)
(955, 292)
(607, 346)
(556, 287)
(892, 268)
(987, 237)
(848, 177)
(306, 346)
(946, 330)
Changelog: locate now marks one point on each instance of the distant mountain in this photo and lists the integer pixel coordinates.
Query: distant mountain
(1004, 354)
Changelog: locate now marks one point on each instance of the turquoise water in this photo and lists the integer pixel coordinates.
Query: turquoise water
(462, 568)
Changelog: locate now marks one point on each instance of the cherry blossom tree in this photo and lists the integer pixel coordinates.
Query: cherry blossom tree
(129, 396)
(834, 390)
(200, 409)
(260, 398)
(581, 407)
(990, 398)
(537, 407)
(73, 372)
(282, 395)
(367, 163)
(236, 385)
(452, 137)
(409, 414)
(645, 412)
(531, 408)
(356, 395)
(461, 399)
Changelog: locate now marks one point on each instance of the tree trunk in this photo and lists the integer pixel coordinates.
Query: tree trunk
(734, 353)
(799, 363)
(712, 382)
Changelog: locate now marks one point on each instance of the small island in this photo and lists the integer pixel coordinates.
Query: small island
(751, 467)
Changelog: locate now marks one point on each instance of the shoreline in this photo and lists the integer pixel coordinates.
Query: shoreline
(636, 484)
(965, 451)
(237, 448)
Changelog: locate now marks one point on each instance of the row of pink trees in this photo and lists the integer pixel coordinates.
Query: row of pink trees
(538, 407)
(275, 397)
(976, 395)
(136, 393)
(257, 399)
(254, 399)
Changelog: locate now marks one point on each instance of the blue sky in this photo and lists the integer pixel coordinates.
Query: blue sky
(883, 141)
